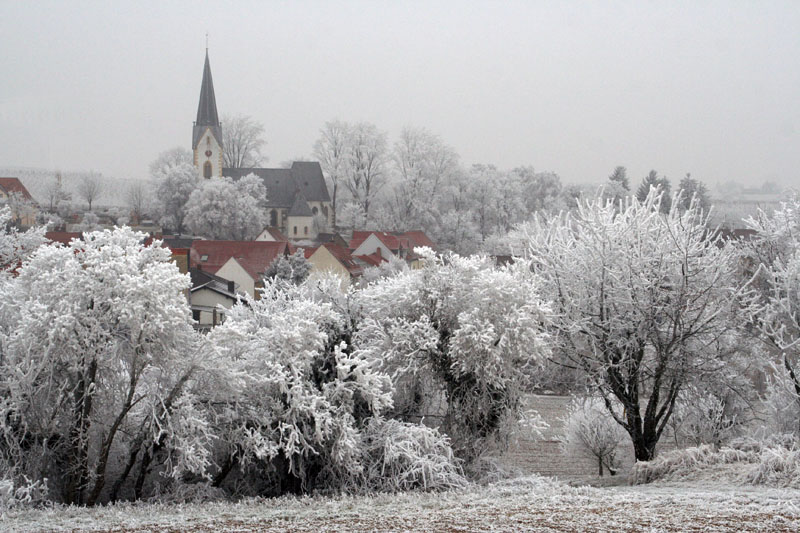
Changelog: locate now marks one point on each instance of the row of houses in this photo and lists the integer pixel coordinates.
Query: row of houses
(222, 272)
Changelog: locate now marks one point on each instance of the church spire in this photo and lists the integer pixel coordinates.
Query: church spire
(207, 109)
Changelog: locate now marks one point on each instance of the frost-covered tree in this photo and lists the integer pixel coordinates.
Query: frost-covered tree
(423, 164)
(541, 190)
(56, 195)
(174, 179)
(15, 245)
(367, 164)
(90, 188)
(642, 301)
(776, 248)
(243, 140)
(228, 209)
(97, 346)
(459, 338)
(293, 269)
(693, 190)
(620, 176)
(138, 200)
(332, 149)
(591, 432)
(654, 180)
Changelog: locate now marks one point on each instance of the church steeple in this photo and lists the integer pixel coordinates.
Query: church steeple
(207, 108)
(207, 131)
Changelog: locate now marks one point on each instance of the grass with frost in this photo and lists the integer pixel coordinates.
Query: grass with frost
(525, 504)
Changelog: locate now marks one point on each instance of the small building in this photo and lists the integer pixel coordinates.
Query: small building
(209, 297)
(331, 258)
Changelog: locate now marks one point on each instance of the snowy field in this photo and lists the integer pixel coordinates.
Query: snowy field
(524, 504)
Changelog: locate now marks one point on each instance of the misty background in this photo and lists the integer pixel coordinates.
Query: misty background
(709, 88)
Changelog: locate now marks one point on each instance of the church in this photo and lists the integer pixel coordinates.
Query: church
(297, 197)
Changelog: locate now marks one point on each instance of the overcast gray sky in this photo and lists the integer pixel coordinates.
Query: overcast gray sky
(711, 88)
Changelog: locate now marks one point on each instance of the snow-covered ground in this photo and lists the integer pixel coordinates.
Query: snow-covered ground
(524, 504)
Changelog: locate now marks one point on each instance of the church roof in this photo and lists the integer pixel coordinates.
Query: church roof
(207, 109)
(283, 183)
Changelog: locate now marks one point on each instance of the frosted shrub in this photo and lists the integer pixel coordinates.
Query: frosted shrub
(710, 413)
(399, 456)
(459, 338)
(296, 411)
(590, 431)
(774, 462)
(21, 493)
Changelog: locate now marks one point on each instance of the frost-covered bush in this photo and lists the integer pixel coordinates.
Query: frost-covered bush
(96, 350)
(21, 493)
(296, 411)
(591, 432)
(293, 269)
(459, 338)
(399, 456)
(774, 462)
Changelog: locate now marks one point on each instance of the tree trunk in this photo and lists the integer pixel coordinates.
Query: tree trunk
(600, 465)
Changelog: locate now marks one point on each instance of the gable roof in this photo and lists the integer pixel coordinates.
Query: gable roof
(11, 185)
(205, 280)
(342, 255)
(253, 256)
(417, 238)
(309, 179)
(283, 184)
(392, 242)
(278, 181)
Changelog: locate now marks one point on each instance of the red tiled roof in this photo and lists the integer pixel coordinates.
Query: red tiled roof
(373, 259)
(418, 238)
(63, 237)
(308, 251)
(391, 242)
(342, 254)
(10, 185)
(253, 256)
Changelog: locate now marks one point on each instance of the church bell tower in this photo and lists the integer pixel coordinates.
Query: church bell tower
(207, 131)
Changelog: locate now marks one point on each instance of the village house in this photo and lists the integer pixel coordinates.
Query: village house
(243, 262)
(23, 207)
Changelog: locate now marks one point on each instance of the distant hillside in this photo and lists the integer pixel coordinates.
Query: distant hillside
(36, 180)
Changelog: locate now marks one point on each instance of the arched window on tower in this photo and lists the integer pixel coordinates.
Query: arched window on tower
(314, 210)
(207, 169)
(273, 218)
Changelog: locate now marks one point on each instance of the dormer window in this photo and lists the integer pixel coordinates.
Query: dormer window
(204, 257)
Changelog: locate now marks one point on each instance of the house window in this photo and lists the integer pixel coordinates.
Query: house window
(204, 257)
(207, 169)
(196, 314)
(295, 230)
(305, 230)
